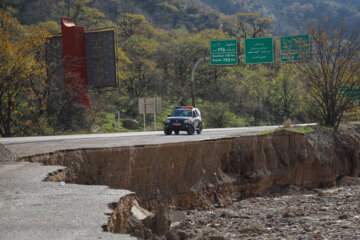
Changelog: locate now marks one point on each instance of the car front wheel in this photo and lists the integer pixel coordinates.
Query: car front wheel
(191, 130)
(167, 131)
(200, 129)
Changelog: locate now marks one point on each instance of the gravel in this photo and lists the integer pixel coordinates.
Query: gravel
(332, 213)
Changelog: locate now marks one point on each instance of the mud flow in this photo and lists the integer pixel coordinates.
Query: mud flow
(206, 176)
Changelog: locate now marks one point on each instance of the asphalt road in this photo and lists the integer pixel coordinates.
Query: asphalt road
(29, 146)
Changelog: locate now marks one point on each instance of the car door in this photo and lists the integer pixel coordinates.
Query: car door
(196, 118)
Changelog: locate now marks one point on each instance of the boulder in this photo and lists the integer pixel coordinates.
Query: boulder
(131, 123)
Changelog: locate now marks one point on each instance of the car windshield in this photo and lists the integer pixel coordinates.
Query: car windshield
(181, 113)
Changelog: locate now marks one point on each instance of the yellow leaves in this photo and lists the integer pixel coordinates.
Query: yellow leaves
(168, 7)
(248, 14)
(265, 20)
(22, 74)
(43, 106)
(29, 123)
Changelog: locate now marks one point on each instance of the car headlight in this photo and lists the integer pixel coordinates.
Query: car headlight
(188, 121)
(167, 121)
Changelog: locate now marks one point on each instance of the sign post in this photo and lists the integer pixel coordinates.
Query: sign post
(259, 50)
(149, 105)
(224, 52)
(295, 48)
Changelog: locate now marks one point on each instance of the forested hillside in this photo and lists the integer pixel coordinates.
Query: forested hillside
(158, 43)
(293, 16)
(195, 15)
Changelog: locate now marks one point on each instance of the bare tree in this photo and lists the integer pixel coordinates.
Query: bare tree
(334, 66)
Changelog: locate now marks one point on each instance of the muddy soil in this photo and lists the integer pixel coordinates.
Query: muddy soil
(331, 213)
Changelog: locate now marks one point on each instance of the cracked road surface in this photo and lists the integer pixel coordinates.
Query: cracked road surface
(32, 209)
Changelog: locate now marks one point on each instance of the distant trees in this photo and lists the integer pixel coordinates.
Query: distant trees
(335, 65)
(23, 94)
(154, 61)
(286, 93)
(246, 25)
(81, 12)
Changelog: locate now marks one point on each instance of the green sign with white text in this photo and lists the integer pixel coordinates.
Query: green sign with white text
(295, 48)
(259, 50)
(223, 52)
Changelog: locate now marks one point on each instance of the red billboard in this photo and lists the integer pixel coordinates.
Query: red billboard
(78, 60)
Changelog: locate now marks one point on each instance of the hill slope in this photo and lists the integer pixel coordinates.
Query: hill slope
(293, 16)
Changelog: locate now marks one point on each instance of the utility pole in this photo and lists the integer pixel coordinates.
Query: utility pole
(192, 79)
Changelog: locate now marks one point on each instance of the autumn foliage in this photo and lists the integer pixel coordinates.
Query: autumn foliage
(22, 76)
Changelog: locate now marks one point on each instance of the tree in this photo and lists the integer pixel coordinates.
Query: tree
(81, 12)
(246, 25)
(130, 24)
(285, 93)
(334, 66)
(22, 76)
(141, 67)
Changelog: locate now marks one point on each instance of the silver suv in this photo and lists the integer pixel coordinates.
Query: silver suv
(183, 118)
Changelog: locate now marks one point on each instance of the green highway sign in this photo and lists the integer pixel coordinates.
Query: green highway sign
(295, 48)
(224, 52)
(259, 50)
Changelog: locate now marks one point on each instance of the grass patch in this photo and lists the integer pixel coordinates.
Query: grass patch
(302, 130)
(327, 128)
(270, 131)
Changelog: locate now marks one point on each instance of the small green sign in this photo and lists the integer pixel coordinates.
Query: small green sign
(295, 48)
(259, 50)
(224, 52)
(351, 93)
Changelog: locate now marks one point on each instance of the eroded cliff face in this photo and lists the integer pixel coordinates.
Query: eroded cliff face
(194, 174)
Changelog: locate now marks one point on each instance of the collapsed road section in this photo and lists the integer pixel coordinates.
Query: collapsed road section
(196, 174)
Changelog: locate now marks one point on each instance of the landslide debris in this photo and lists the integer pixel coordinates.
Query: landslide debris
(293, 213)
(296, 213)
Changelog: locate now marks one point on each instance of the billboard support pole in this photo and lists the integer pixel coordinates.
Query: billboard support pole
(192, 79)
(155, 121)
(144, 115)
(155, 114)
(119, 120)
